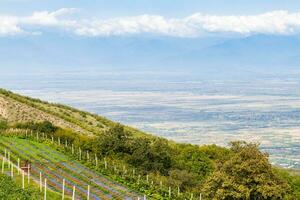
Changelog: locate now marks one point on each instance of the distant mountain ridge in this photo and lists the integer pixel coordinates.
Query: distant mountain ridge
(258, 52)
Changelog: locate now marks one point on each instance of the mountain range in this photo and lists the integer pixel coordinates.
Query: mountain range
(258, 52)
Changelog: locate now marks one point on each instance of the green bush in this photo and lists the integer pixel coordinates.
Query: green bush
(42, 127)
(3, 125)
(10, 191)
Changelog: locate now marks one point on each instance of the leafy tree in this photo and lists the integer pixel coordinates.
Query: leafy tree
(150, 155)
(216, 153)
(246, 175)
(112, 141)
(190, 158)
(183, 179)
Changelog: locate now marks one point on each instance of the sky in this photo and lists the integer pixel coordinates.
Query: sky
(148, 34)
(172, 18)
(114, 8)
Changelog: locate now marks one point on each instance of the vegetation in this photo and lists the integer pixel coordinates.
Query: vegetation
(239, 172)
(246, 175)
(10, 190)
(3, 125)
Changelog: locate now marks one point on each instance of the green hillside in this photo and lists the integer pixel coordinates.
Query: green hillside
(91, 147)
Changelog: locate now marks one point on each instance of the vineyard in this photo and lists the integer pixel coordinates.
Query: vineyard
(58, 168)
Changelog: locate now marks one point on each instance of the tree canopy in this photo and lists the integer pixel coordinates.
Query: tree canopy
(246, 175)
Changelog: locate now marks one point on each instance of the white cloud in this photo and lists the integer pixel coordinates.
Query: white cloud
(46, 18)
(275, 22)
(9, 26)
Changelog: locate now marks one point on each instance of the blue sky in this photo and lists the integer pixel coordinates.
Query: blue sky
(175, 8)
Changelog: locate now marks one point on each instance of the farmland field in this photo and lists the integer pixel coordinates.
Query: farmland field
(55, 166)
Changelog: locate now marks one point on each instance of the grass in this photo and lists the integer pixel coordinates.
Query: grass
(21, 109)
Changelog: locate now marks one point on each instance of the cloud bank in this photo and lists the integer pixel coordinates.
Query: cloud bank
(196, 25)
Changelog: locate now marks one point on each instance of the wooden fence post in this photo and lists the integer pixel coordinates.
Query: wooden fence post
(96, 160)
(18, 166)
(41, 184)
(105, 163)
(88, 193)
(73, 194)
(3, 162)
(8, 159)
(23, 179)
(28, 174)
(45, 189)
(63, 190)
(12, 170)
(79, 153)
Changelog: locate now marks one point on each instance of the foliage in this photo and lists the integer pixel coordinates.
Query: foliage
(293, 180)
(9, 190)
(3, 124)
(246, 175)
(42, 127)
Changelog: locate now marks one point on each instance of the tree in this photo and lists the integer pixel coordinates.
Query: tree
(191, 158)
(247, 175)
(113, 141)
(183, 179)
(151, 155)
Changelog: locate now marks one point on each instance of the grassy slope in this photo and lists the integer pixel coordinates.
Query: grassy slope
(17, 108)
